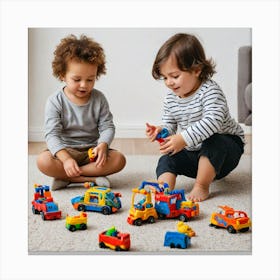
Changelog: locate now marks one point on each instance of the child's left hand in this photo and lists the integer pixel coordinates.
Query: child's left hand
(172, 144)
(101, 151)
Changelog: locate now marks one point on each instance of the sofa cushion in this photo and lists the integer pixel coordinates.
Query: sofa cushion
(248, 96)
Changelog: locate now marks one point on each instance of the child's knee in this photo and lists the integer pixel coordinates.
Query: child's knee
(44, 160)
(119, 160)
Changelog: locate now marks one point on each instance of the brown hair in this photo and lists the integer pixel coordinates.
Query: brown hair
(83, 49)
(189, 54)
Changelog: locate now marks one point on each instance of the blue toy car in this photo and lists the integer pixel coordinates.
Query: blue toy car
(176, 240)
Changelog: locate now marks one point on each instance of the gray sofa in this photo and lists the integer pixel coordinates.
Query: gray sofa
(245, 85)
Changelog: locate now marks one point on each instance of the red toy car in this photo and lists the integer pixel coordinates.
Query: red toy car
(44, 205)
(114, 240)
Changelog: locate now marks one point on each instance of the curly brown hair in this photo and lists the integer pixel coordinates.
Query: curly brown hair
(83, 49)
(189, 54)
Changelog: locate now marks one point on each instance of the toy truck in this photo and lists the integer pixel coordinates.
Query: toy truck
(172, 204)
(232, 220)
(43, 203)
(176, 240)
(142, 210)
(98, 199)
(114, 240)
(74, 223)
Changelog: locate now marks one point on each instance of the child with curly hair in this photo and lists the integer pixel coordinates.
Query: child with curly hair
(209, 142)
(78, 117)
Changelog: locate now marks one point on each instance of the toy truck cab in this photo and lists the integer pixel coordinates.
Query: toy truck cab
(99, 199)
(173, 204)
(114, 240)
(142, 210)
(232, 220)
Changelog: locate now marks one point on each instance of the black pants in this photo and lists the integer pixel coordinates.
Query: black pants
(222, 150)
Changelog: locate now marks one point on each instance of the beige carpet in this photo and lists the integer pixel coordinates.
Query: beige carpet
(51, 237)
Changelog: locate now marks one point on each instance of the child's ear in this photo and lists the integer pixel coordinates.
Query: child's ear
(197, 71)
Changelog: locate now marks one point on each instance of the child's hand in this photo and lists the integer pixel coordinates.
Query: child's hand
(172, 144)
(152, 131)
(71, 167)
(101, 152)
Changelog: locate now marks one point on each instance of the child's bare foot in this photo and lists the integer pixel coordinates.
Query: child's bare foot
(199, 193)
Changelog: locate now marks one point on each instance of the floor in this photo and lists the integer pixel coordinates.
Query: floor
(130, 146)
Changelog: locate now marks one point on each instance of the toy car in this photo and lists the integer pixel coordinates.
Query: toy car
(176, 240)
(43, 203)
(142, 210)
(232, 220)
(74, 223)
(98, 199)
(114, 240)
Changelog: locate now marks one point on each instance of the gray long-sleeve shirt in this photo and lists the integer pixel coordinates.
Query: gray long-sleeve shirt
(200, 115)
(77, 126)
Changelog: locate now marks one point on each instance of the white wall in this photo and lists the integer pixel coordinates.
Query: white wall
(134, 96)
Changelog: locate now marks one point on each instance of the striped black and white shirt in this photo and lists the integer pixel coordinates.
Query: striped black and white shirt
(200, 115)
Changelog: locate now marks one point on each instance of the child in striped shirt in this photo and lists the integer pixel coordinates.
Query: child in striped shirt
(204, 141)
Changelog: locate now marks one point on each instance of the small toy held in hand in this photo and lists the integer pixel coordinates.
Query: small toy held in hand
(114, 240)
(161, 135)
(76, 222)
(91, 155)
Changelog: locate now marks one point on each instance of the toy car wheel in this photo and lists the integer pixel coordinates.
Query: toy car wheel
(151, 220)
(172, 245)
(118, 248)
(34, 211)
(138, 222)
(72, 228)
(244, 229)
(178, 246)
(43, 216)
(81, 207)
(231, 229)
(102, 245)
(105, 211)
(83, 226)
(161, 216)
(183, 218)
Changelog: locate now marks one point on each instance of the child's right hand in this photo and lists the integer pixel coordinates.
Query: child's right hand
(71, 168)
(152, 131)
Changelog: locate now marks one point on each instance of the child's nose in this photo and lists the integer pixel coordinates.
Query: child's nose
(169, 82)
(82, 83)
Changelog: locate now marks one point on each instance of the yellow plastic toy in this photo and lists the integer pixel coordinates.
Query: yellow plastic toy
(184, 228)
(91, 155)
(76, 222)
(143, 210)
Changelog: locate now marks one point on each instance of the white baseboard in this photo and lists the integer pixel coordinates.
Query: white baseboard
(36, 134)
